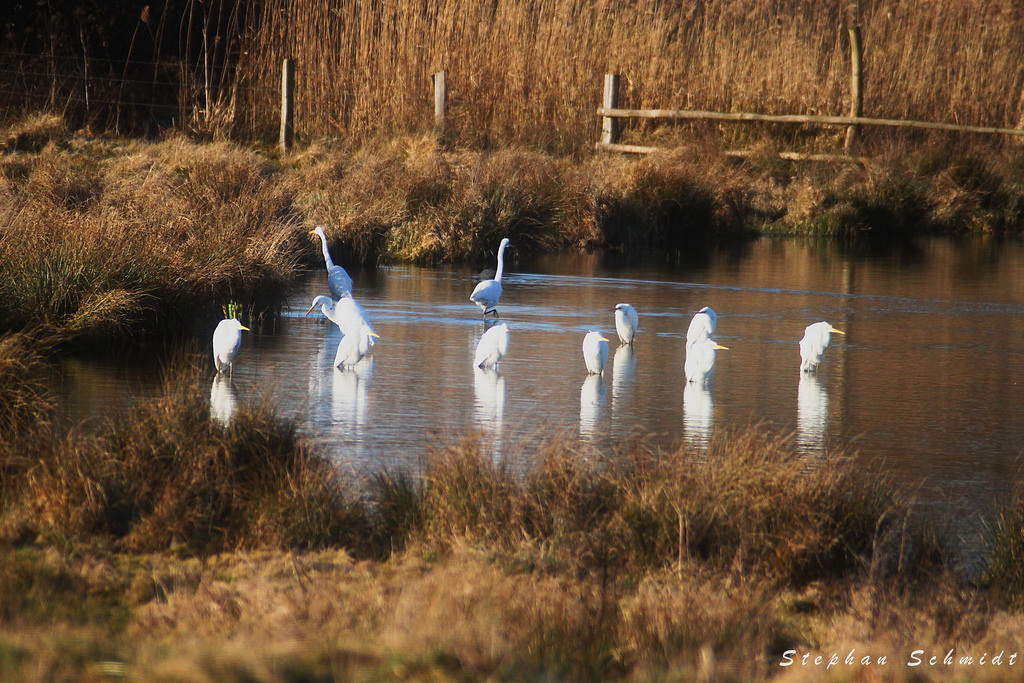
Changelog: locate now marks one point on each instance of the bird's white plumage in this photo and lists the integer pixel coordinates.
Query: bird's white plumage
(595, 352)
(338, 279)
(813, 344)
(487, 293)
(492, 347)
(700, 361)
(701, 326)
(347, 313)
(354, 346)
(626, 322)
(227, 339)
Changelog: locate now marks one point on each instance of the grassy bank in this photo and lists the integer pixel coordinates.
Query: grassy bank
(162, 545)
(108, 239)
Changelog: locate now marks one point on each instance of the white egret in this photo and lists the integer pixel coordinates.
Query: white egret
(700, 360)
(493, 346)
(487, 293)
(626, 322)
(338, 280)
(812, 346)
(701, 327)
(354, 346)
(595, 352)
(227, 339)
(347, 313)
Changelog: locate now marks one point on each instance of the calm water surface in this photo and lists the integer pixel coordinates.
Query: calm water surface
(928, 383)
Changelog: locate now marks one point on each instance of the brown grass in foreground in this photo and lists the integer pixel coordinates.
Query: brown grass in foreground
(162, 545)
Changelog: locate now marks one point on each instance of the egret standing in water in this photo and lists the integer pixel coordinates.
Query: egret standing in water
(347, 313)
(813, 345)
(626, 322)
(487, 293)
(354, 346)
(700, 361)
(493, 346)
(595, 352)
(338, 280)
(227, 339)
(701, 327)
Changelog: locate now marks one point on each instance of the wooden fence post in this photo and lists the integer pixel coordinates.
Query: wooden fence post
(609, 124)
(440, 103)
(287, 103)
(856, 86)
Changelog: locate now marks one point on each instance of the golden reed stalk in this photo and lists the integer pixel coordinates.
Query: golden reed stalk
(532, 71)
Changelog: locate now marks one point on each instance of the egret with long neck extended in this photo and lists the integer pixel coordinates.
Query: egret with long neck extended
(487, 293)
(338, 280)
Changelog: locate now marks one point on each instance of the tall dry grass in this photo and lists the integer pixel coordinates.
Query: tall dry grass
(521, 71)
(166, 475)
(105, 239)
(161, 544)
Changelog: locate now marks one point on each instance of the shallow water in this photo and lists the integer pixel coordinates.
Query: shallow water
(927, 384)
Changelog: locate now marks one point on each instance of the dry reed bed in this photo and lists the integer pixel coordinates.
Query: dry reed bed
(105, 240)
(531, 72)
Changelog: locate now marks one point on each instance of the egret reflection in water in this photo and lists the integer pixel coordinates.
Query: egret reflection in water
(698, 414)
(350, 388)
(489, 405)
(489, 390)
(811, 413)
(223, 399)
(339, 396)
(623, 372)
(592, 405)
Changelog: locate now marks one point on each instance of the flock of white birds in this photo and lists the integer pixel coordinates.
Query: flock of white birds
(700, 347)
(358, 334)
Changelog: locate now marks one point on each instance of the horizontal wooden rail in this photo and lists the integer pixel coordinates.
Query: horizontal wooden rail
(789, 156)
(799, 118)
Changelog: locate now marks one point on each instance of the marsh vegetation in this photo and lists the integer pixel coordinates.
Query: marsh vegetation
(159, 544)
(162, 544)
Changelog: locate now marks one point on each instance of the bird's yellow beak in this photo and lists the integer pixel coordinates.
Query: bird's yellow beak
(374, 334)
(244, 328)
(310, 309)
(837, 331)
(604, 338)
(720, 347)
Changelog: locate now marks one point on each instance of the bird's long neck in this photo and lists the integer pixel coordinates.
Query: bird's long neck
(327, 252)
(501, 263)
